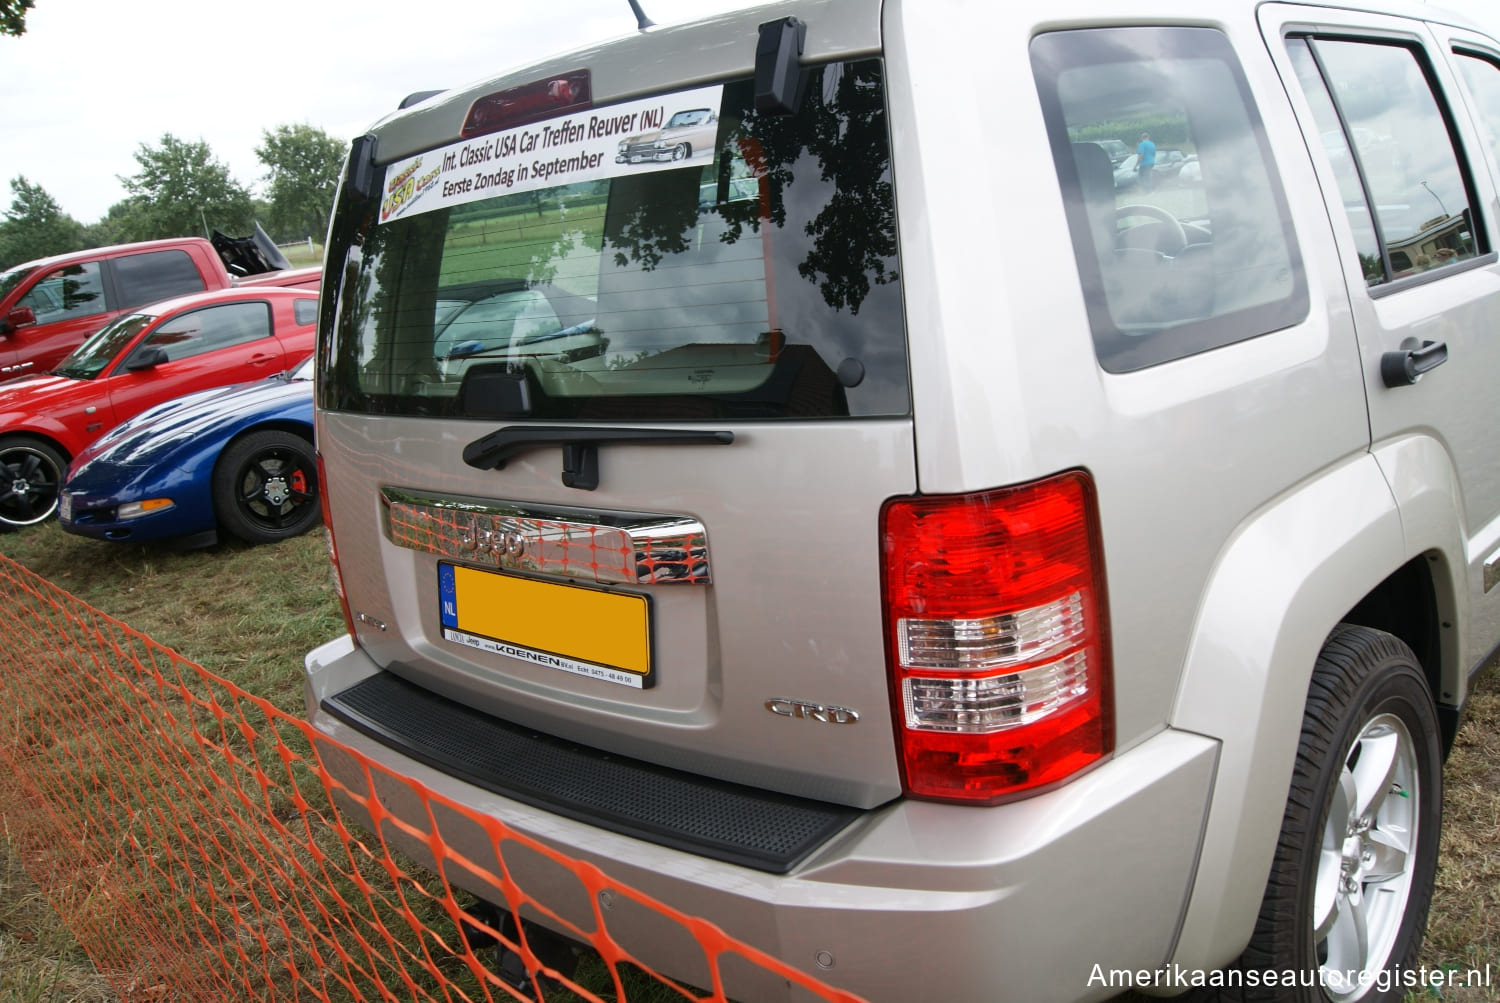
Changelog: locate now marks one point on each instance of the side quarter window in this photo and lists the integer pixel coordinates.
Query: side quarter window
(1389, 138)
(1186, 245)
(304, 311)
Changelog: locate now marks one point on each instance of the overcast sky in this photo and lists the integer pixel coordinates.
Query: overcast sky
(91, 80)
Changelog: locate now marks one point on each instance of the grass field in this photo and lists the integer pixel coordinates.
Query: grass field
(250, 614)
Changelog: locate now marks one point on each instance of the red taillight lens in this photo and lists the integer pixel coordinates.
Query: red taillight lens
(529, 103)
(997, 639)
(333, 550)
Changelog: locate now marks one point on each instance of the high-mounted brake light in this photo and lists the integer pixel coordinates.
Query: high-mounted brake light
(997, 639)
(559, 95)
(333, 550)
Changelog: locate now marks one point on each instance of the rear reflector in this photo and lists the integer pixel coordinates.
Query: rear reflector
(559, 95)
(998, 639)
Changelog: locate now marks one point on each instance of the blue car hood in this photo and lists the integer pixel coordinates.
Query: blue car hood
(153, 436)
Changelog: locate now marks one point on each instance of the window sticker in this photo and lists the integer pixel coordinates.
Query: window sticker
(652, 134)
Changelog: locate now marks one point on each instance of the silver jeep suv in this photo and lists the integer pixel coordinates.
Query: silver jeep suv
(953, 576)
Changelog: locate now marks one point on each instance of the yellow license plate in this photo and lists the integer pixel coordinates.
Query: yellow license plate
(586, 631)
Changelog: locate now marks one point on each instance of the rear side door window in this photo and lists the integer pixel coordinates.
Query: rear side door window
(1389, 139)
(158, 275)
(1187, 244)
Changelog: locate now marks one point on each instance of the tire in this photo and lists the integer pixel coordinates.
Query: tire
(1352, 878)
(31, 476)
(681, 152)
(265, 487)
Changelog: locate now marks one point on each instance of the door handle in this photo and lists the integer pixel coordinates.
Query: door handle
(1404, 367)
(260, 360)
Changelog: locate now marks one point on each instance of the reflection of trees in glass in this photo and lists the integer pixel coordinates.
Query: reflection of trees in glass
(651, 216)
(842, 127)
(79, 288)
(842, 123)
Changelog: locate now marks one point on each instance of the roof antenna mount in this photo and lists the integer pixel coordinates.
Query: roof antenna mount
(641, 20)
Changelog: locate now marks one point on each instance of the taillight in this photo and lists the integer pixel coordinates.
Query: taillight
(997, 639)
(333, 550)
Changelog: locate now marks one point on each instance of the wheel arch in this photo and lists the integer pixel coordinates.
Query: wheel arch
(299, 428)
(228, 514)
(39, 436)
(1289, 575)
(51, 434)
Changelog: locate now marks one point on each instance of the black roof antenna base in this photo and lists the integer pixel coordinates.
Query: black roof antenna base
(641, 20)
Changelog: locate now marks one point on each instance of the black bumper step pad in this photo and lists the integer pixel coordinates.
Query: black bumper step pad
(740, 825)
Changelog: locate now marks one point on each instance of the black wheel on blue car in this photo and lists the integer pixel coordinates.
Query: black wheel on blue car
(31, 476)
(265, 487)
(1352, 878)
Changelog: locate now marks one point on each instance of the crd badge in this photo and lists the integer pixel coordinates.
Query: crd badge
(811, 711)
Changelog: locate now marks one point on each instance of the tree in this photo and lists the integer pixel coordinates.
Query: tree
(13, 16)
(181, 189)
(35, 226)
(303, 165)
(126, 221)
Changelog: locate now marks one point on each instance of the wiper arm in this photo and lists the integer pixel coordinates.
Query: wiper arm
(580, 446)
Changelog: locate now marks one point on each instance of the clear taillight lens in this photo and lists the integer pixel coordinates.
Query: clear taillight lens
(998, 639)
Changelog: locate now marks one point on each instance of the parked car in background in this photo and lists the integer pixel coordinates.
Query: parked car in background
(136, 361)
(1168, 164)
(49, 306)
(238, 458)
(1117, 149)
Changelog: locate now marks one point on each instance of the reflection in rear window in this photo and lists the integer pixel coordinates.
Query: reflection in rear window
(760, 282)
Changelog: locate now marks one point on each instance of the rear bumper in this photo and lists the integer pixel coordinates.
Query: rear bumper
(1035, 900)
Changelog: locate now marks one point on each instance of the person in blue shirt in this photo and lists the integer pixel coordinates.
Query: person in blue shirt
(1147, 160)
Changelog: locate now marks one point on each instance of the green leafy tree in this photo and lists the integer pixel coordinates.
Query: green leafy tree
(13, 16)
(126, 221)
(35, 226)
(182, 188)
(302, 166)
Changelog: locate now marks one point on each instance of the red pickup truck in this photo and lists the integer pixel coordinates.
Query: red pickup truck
(49, 306)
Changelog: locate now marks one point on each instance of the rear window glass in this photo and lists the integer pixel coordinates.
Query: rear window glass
(726, 265)
(1185, 245)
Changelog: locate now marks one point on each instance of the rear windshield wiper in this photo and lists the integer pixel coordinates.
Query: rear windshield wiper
(580, 446)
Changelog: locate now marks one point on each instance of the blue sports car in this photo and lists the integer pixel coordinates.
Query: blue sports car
(238, 459)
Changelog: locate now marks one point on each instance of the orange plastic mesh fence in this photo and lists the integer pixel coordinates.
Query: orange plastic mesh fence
(203, 845)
